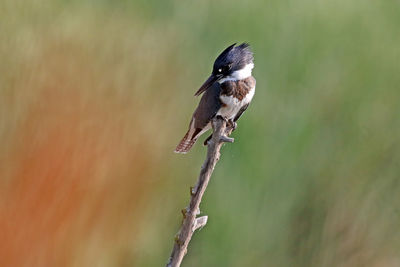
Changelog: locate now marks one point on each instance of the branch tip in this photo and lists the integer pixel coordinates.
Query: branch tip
(192, 190)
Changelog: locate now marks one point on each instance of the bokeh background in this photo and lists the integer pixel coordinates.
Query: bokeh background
(95, 95)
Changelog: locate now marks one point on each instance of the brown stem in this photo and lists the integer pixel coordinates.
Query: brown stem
(190, 221)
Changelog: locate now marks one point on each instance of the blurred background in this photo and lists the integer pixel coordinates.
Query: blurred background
(95, 95)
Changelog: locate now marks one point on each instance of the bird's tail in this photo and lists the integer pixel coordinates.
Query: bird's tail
(186, 143)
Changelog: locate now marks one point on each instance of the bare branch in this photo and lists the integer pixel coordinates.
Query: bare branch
(190, 221)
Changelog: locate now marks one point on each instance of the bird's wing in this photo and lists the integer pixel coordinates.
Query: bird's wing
(205, 111)
(243, 109)
(208, 106)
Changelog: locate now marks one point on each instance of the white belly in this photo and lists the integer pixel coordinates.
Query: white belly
(233, 105)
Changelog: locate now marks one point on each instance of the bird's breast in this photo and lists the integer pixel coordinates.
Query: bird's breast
(231, 104)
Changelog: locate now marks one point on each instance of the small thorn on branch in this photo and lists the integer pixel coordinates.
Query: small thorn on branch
(200, 222)
(226, 139)
(177, 240)
(184, 213)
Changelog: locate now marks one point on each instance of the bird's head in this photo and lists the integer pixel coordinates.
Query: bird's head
(234, 63)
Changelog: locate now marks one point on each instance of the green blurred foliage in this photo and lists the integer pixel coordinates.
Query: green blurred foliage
(313, 176)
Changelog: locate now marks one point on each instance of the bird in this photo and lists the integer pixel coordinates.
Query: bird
(226, 93)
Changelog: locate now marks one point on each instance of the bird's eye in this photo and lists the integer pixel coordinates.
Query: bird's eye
(219, 70)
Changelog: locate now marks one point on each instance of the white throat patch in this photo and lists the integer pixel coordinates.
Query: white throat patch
(239, 74)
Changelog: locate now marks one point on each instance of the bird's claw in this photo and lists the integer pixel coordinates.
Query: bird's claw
(232, 124)
(222, 118)
(229, 122)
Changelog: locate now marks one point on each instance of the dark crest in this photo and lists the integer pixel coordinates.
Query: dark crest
(234, 58)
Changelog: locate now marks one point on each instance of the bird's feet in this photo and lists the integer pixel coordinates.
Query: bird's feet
(222, 118)
(229, 122)
(232, 124)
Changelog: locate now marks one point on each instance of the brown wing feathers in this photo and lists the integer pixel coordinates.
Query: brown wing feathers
(205, 111)
(187, 141)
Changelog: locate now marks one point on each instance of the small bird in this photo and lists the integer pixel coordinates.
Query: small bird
(227, 93)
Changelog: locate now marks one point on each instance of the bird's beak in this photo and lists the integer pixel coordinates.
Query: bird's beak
(207, 84)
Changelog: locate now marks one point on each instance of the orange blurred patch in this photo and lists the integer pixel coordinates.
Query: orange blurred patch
(71, 177)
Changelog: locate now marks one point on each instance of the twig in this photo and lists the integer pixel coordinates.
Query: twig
(190, 223)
